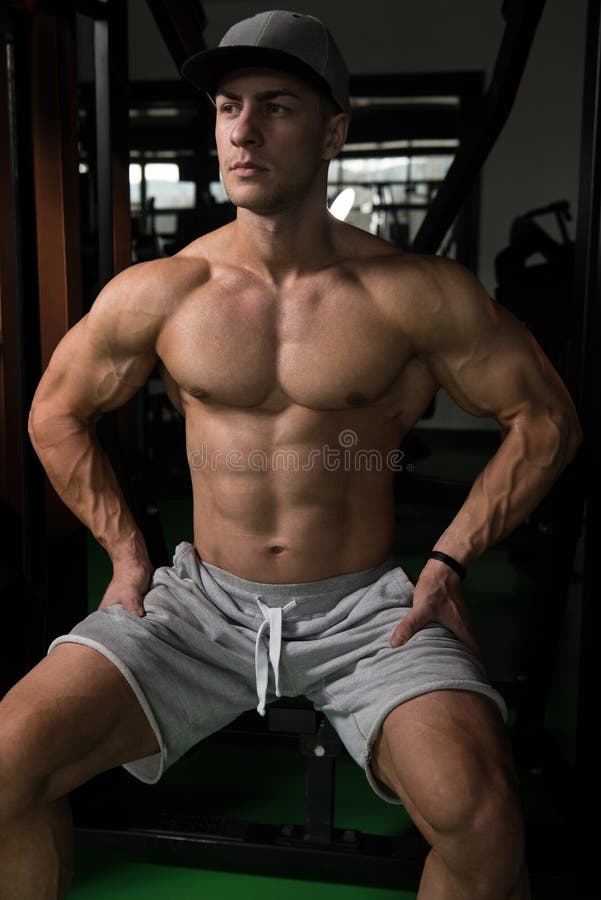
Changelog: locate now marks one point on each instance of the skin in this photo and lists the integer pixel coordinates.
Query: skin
(287, 331)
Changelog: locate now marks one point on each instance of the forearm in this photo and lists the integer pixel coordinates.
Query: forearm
(83, 477)
(533, 454)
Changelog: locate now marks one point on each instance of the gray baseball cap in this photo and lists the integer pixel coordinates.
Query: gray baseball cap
(278, 39)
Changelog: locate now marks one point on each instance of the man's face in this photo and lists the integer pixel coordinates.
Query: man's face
(270, 133)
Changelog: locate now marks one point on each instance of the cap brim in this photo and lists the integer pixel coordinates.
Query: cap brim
(205, 69)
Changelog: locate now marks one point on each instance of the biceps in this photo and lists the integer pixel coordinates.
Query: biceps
(85, 380)
(502, 375)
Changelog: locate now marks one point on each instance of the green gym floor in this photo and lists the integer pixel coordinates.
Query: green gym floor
(267, 784)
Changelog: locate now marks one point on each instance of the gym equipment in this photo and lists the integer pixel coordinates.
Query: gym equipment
(536, 291)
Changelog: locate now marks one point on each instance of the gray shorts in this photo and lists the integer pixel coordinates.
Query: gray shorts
(213, 646)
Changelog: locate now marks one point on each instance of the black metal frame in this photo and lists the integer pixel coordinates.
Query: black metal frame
(585, 383)
(27, 479)
(106, 266)
(112, 158)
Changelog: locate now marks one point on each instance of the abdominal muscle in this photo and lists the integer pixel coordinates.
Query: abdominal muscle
(293, 498)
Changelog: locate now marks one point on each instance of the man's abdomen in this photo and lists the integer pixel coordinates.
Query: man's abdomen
(260, 530)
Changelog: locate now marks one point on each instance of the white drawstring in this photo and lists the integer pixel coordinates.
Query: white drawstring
(272, 617)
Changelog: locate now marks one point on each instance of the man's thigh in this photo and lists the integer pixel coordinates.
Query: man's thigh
(73, 716)
(440, 751)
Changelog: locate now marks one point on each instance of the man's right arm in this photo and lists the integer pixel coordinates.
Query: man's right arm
(98, 365)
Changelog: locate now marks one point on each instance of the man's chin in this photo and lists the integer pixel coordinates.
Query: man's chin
(259, 205)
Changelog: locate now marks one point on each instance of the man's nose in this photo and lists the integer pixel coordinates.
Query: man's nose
(246, 129)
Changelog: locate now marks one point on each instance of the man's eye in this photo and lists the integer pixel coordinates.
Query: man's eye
(275, 107)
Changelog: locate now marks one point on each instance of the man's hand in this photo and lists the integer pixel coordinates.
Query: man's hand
(128, 586)
(437, 598)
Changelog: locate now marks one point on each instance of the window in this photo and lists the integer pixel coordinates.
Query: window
(387, 195)
(155, 187)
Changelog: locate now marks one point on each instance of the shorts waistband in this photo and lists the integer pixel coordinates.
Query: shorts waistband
(336, 586)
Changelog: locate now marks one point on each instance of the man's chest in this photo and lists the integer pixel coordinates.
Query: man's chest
(322, 349)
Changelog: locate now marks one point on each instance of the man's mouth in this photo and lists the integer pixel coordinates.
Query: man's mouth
(247, 168)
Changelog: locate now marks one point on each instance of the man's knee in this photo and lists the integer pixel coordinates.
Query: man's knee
(448, 757)
(22, 783)
(451, 791)
(34, 744)
(474, 796)
(73, 716)
(470, 812)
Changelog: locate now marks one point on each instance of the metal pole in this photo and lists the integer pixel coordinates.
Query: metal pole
(587, 391)
(104, 194)
(22, 487)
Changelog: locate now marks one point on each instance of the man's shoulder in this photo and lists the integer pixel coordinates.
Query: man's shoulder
(396, 266)
(423, 295)
(156, 285)
(416, 270)
(134, 305)
(171, 276)
(420, 277)
(392, 273)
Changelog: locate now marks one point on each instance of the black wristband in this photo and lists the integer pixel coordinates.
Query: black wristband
(445, 558)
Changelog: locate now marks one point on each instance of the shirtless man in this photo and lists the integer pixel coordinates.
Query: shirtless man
(286, 332)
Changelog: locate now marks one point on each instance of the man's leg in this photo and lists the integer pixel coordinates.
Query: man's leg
(447, 756)
(71, 717)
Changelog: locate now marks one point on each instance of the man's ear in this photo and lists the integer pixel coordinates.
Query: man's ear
(335, 137)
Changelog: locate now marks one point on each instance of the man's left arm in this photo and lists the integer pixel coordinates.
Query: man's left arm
(491, 365)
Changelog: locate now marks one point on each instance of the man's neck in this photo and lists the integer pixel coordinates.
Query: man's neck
(282, 247)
